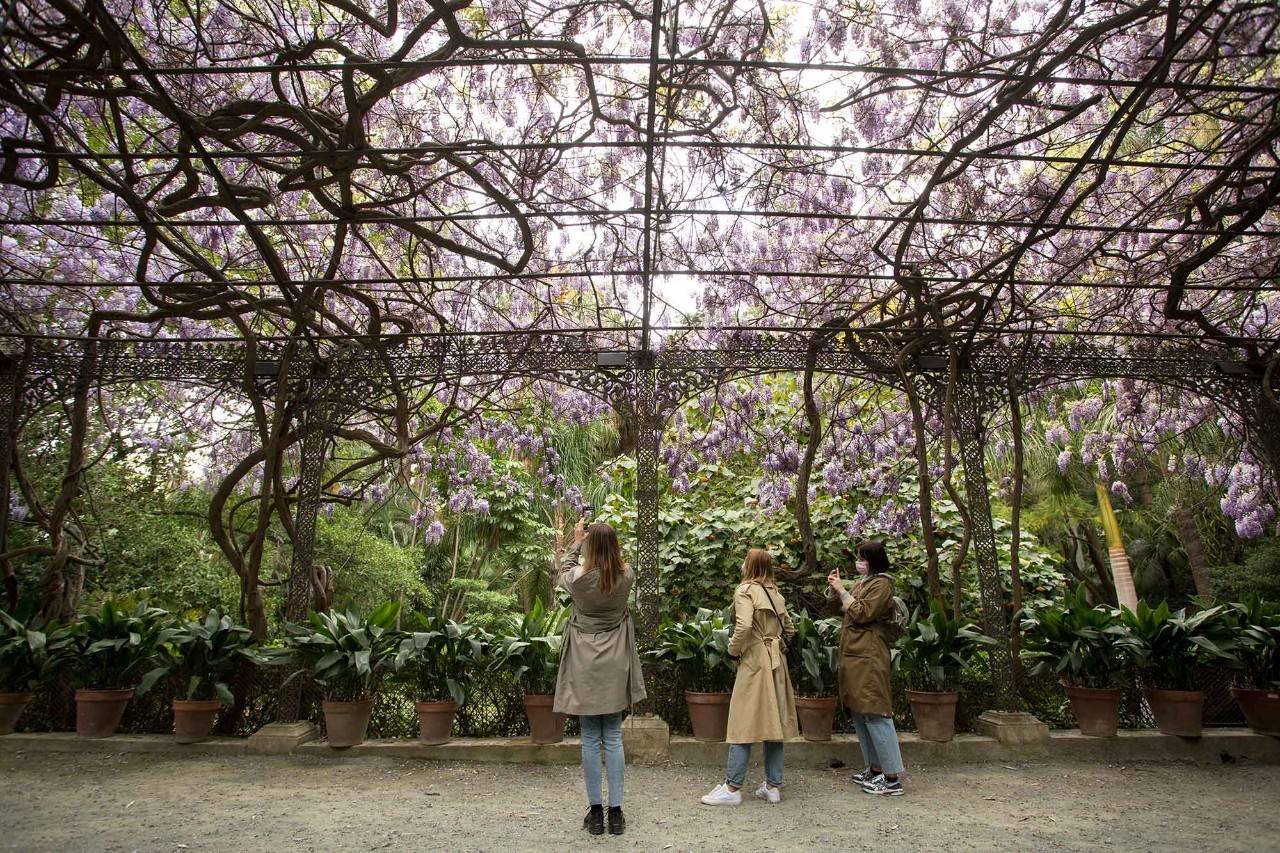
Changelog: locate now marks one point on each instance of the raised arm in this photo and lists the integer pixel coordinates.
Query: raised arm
(788, 627)
(872, 601)
(743, 613)
(569, 566)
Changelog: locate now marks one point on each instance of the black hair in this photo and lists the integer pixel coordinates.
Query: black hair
(877, 558)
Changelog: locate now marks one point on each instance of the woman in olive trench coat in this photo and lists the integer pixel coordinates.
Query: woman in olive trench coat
(868, 608)
(600, 675)
(763, 706)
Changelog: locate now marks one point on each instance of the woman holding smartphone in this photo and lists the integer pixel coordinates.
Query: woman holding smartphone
(868, 608)
(763, 706)
(600, 675)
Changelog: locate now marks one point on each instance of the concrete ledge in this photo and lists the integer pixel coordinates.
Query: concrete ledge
(484, 750)
(1216, 746)
(1070, 745)
(159, 744)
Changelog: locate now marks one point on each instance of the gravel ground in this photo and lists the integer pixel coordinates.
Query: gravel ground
(160, 803)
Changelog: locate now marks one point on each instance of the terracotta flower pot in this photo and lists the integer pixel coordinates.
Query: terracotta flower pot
(193, 719)
(709, 714)
(1097, 710)
(1261, 708)
(11, 707)
(347, 722)
(545, 725)
(98, 712)
(817, 714)
(435, 720)
(1177, 712)
(935, 714)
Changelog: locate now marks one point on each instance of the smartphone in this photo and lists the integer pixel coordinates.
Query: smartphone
(588, 512)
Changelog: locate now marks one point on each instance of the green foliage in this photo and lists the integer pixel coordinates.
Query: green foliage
(699, 648)
(1081, 644)
(115, 647)
(936, 648)
(368, 569)
(1257, 575)
(532, 653)
(1257, 653)
(1168, 645)
(815, 653)
(203, 655)
(437, 656)
(346, 654)
(491, 610)
(25, 648)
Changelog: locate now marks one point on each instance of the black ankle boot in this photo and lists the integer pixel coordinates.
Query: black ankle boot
(594, 821)
(617, 823)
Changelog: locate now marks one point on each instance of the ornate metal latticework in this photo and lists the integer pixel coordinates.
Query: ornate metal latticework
(645, 387)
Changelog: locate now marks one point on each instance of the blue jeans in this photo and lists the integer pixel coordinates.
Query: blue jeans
(879, 742)
(602, 730)
(740, 754)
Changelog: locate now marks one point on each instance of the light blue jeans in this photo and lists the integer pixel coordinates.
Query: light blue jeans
(602, 732)
(740, 754)
(879, 742)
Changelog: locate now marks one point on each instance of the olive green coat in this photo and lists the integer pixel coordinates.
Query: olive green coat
(763, 706)
(864, 649)
(599, 666)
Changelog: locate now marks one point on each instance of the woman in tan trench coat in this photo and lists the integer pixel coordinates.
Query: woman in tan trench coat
(763, 707)
(868, 608)
(599, 674)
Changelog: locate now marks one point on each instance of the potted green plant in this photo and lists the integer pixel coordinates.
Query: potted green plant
(532, 656)
(814, 657)
(25, 646)
(110, 656)
(699, 649)
(436, 657)
(347, 655)
(202, 656)
(931, 655)
(1168, 646)
(1084, 646)
(1257, 663)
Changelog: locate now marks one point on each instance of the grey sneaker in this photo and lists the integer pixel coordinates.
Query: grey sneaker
(883, 787)
(864, 777)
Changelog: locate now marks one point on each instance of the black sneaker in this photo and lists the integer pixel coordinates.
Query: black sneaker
(883, 787)
(864, 777)
(594, 821)
(617, 823)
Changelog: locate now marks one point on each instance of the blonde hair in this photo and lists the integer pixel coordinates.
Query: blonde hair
(602, 553)
(758, 566)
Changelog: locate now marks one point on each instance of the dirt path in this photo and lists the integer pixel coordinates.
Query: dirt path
(153, 803)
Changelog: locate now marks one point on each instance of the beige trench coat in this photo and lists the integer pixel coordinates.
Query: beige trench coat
(763, 706)
(599, 665)
(864, 650)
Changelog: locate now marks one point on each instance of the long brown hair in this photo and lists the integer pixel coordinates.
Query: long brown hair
(758, 566)
(602, 553)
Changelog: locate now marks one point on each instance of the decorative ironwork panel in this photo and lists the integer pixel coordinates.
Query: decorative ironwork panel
(10, 397)
(648, 440)
(972, 405)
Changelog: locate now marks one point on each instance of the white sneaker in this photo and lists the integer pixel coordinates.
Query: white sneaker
(722, 796)
(764, 792)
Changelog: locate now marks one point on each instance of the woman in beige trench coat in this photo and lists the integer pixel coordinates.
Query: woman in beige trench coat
(763, 707)
(599, 674)
(868, 608)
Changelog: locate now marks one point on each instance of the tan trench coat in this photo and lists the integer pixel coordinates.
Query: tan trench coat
(864, 649)
(599, 665)
(763, 706)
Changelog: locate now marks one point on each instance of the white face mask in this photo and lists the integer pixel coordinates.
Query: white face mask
(863, 567)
